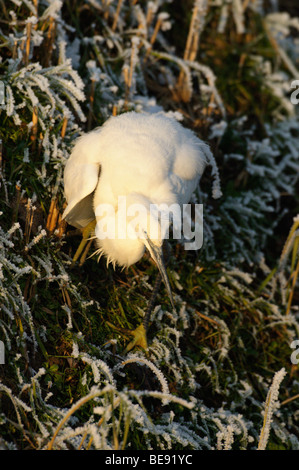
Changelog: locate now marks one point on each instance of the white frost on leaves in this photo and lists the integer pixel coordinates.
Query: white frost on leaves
(271, 405)
(133, 358)
(57, 93)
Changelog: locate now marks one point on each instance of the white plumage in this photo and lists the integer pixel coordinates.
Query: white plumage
(147, 158)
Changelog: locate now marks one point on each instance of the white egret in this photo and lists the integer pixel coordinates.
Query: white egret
(139, 159)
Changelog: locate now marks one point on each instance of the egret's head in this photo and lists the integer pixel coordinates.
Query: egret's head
(122, 236)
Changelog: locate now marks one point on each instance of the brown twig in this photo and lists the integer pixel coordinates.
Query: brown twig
(64, 126)
(294, 277)
(17, 204)
(34, 125)
(29, 220)
(91, 101)
(116, 16)
(27, 44)
(52, 216)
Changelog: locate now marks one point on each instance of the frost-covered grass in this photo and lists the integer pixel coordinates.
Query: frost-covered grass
(218, 374)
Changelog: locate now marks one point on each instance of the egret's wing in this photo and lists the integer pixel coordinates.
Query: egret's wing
(81, 176)
(81, 213)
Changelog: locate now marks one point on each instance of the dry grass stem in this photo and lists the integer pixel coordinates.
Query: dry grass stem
(91, 102)
(156, 30)
(191, 45)
(16, 204)
(73, 409)
(116, 16)
(29, 220)
(293, 278)
(34, 124)
(52, 216)
(28, 40)
(64, 126)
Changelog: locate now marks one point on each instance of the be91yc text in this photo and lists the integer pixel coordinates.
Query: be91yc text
(165, 459)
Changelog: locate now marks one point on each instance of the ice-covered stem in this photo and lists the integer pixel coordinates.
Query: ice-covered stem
(29, 219)
(50, 39)
(196, 26)
(151, 10)
(93, 394)
(34, 125)
(142, 360)
(293, 239)
(292, 243)
(216, 187)
(291, 246)
(115, 403)
(271, 404)
(281, 52)
(28, 40)
(128, 72)
(161, 17)
(116, 16)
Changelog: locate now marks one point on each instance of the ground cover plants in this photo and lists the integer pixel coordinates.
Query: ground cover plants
(222, 373)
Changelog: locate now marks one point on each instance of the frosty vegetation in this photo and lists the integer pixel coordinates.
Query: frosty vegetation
(217, 375)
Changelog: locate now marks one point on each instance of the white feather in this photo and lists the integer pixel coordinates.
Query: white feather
(148, 158)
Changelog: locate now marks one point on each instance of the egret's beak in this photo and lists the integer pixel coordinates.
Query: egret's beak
(157, 255)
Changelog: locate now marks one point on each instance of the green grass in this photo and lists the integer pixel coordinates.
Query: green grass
(66, 382)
